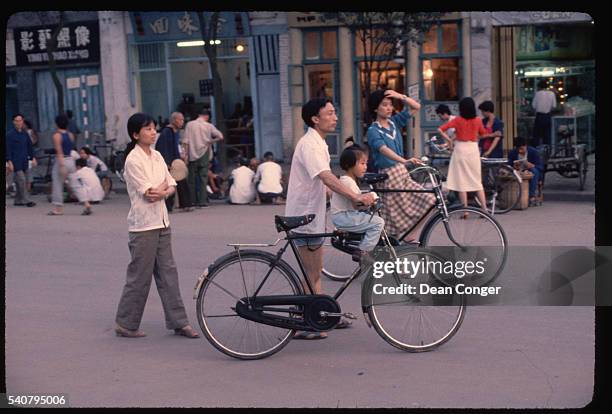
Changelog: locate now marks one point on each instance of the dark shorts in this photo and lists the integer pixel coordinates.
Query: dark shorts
(310, 242)
(268, 197)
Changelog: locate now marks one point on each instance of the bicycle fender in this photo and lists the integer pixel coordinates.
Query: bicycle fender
(198, 286)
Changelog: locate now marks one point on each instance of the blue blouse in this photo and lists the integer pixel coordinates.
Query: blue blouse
(392, 138)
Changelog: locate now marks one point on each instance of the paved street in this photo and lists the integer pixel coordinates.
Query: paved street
(64, 276)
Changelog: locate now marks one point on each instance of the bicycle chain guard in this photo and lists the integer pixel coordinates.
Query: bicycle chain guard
(309, 306)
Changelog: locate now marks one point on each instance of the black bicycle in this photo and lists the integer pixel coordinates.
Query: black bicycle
(251, 302)
(449, 226)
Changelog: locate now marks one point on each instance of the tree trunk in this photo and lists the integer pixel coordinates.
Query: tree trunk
(209, 32)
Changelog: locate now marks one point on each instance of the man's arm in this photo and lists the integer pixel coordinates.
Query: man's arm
(336, 186)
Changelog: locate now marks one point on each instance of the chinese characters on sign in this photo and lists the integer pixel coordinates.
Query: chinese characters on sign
(75, 43)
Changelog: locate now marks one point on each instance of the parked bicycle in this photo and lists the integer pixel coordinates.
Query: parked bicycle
(447, 227)
(113, 157)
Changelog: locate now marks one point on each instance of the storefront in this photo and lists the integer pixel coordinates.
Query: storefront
(561, 56)
(171, 71)
(30, 86)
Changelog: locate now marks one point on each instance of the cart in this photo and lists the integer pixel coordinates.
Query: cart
(567, 158)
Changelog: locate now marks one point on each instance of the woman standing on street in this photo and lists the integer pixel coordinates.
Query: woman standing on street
(400, 210)
(464, 173)
(63, 142)
(148, 184)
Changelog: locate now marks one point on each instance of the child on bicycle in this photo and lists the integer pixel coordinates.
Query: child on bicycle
(345, 215)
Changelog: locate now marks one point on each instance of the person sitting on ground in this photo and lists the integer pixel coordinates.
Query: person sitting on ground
(269, 180)
(242, 188)
(86, 185)
(524, 157)
(214, 183)
(344, 212)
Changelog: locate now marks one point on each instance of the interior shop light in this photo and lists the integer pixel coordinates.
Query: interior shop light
(540, 73)
(239, 48)
(217, 42)
(191, 43)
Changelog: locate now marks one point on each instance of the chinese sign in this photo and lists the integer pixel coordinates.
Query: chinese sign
(185, 25)
(76, 43)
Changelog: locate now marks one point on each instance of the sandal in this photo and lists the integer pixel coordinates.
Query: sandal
(86, 212)
(54, 213)
(187, 331)
(309, 335)
(129, 333)
(343, 324)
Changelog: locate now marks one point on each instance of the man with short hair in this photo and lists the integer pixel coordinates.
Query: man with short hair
(200, 134)
(309, 179)
(269, 178)
(524, 157)
(168, 146)
(543, 103)
(19, 152)
(242, 189)
(86, 185)
(491, 144)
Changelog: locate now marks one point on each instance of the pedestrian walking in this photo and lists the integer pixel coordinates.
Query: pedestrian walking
(464, 171)
(148, 184)
(400, 210)
(306, 194)
(19, 155)
(63, 142)
(200, 134)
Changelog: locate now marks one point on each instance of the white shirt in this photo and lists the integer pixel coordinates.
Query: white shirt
(340, 203)
(306, 191)
(269, 175)
(93, 162)
(141, 173)
(86, 185)
(544, 101)
(199, 135)
(242, 190)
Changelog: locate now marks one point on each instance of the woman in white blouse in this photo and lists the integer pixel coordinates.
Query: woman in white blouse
(148, 184)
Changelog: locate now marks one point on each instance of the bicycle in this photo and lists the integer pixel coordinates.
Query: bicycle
(114, 158)
(251, 302)
(501, 184)
(447, 227)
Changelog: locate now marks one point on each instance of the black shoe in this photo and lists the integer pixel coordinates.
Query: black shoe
(30, 204)
(202, 205)
(19, 204)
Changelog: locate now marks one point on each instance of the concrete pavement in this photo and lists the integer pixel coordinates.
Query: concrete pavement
(64, 276)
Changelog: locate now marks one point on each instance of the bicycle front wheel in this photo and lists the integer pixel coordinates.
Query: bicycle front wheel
(231, 279)
(416, 322)
(470, 227)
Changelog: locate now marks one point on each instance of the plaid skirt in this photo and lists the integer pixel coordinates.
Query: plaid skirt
(402, 210)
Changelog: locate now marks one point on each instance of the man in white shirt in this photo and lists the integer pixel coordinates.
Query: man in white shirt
(242, 187)
(269, 178)
(199, 137)
(543, 103)
(86, 185)
(309, 180)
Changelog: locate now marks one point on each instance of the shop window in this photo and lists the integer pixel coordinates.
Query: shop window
(373, 49)
(330, 48)
(320, 81)
(151, 56)
(311, 40)
(431, 41)
(450, 38)
(441, 79)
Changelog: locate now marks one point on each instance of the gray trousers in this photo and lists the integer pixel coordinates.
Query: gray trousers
(57, 185)
(21, 195)
(151, 253)
(199, 168)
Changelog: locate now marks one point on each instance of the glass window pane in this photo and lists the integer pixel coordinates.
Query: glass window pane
(450, 37)
(329, 45)
(311, 42)
(446, 79)
(431, 40)
(320, 81)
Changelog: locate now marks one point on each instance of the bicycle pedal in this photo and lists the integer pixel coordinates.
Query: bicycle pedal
(347, 315)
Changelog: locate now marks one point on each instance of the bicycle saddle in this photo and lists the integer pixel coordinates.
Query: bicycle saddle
(373, 178)
(288, 223)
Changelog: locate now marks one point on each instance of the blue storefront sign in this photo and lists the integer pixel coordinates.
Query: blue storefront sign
(185, 25)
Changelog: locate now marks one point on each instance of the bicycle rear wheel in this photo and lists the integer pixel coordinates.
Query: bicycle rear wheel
(470, 227)
(231, 279)
(337, 265)
(416, 322)
(502, 189)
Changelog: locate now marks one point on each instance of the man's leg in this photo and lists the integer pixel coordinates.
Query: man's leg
(203, 173)
(533, 183)
(313, 265)
(192, 181)
(21, 193)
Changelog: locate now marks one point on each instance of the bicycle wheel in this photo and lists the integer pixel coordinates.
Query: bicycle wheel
(470, 227)
(416, 322)
(232, 278)
(502, 190)
(337, 265)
